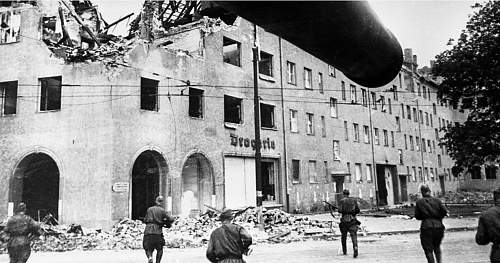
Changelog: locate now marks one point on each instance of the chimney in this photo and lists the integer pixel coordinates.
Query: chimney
(433, 63)
(415, 61)
(408, 53)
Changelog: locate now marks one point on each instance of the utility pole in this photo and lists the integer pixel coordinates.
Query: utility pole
(373, 152)
(256, 109)
(421, 146)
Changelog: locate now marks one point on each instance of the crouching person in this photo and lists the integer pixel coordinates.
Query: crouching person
(229, 242)
(21, 229)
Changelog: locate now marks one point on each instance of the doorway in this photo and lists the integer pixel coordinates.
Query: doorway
(36, 183)
(381, 185)
(148, 172)
(404, 188)
(268, 173)
(441, 183)
(197, 185)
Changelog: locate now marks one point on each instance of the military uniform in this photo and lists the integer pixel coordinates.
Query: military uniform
(349, 208)
(488, 230)
(20, 228)
(431, 211)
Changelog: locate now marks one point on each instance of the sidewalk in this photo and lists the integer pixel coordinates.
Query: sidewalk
(400, 224)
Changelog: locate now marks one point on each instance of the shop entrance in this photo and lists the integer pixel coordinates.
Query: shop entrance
(197, 185)
(36, 183)
(148, 173)
(268, 172)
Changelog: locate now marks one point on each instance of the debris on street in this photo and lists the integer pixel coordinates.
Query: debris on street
(468, 197)
(279, 227)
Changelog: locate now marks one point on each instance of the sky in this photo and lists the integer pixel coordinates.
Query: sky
(424, 26)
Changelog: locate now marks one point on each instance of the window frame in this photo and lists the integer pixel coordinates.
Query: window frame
(238, 47)
(291, 69)
(308, 78)
(44, 96)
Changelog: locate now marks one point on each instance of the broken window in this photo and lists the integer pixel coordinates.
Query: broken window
(369, 172)
(412, 147)
(386, 138)
(292, 72)
(293, 121)
(232, 109)
(475, 172)
(50, 94)
(390, 105)
(231, 51)
(366, 133)
(398, 124)
(356, 132)
(364, 98)
(266, 116)
(382, 103)
(195, 103)
(307, 78)
(333, 108)
(331, 71)
(392, 139)
(400, 154)
(313, 176)
(336, 150)
(354, 94)
(310, 124)
(8, 97)
(357, 171)
(10, 25)
(266, 64)
(295, 171)
(320, 82)
(376, 138)
(408, 112)
(149, 94)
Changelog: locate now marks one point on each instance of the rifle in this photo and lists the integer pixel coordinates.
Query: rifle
(331, 208)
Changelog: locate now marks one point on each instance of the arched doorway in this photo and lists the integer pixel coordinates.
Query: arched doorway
(148, 173)
(197, 184)
(36, 183)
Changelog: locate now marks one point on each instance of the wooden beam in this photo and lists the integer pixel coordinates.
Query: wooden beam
(80, 21)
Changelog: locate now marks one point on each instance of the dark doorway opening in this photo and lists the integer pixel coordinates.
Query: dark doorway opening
(268, 173)
(147, 173)
(382, 190)
(197, 185)
(441, 182)
(36, 183)
(404, 188)
(395, 183)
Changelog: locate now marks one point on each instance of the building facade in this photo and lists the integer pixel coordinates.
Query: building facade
(92, 143)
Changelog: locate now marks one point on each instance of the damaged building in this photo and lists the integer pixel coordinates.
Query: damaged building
(94, 126)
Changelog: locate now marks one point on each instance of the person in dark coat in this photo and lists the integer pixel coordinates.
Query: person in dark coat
(156, 218)
(349, 208)
(488, 229)
(431, 211)
(21, 229)
(229, 242)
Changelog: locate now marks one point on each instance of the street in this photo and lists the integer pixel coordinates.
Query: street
(457, 247)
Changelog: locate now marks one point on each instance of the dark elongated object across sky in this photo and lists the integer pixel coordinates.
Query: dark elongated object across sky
(347, 35)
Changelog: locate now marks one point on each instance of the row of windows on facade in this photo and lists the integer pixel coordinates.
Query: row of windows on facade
(231, 54)
(314, 177)
(50, 95)
(490, 172)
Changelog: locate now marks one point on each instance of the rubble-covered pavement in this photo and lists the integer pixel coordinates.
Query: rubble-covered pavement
(279, 227)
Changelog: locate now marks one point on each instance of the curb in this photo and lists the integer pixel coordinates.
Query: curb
(413, 231)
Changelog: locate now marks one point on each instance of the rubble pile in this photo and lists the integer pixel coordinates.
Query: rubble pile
(466, 197)
(112, 53)
(279, 226)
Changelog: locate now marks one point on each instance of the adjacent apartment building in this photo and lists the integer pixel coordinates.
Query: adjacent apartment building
(92, 141)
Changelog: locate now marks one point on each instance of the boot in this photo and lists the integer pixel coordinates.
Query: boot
(355, 255)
